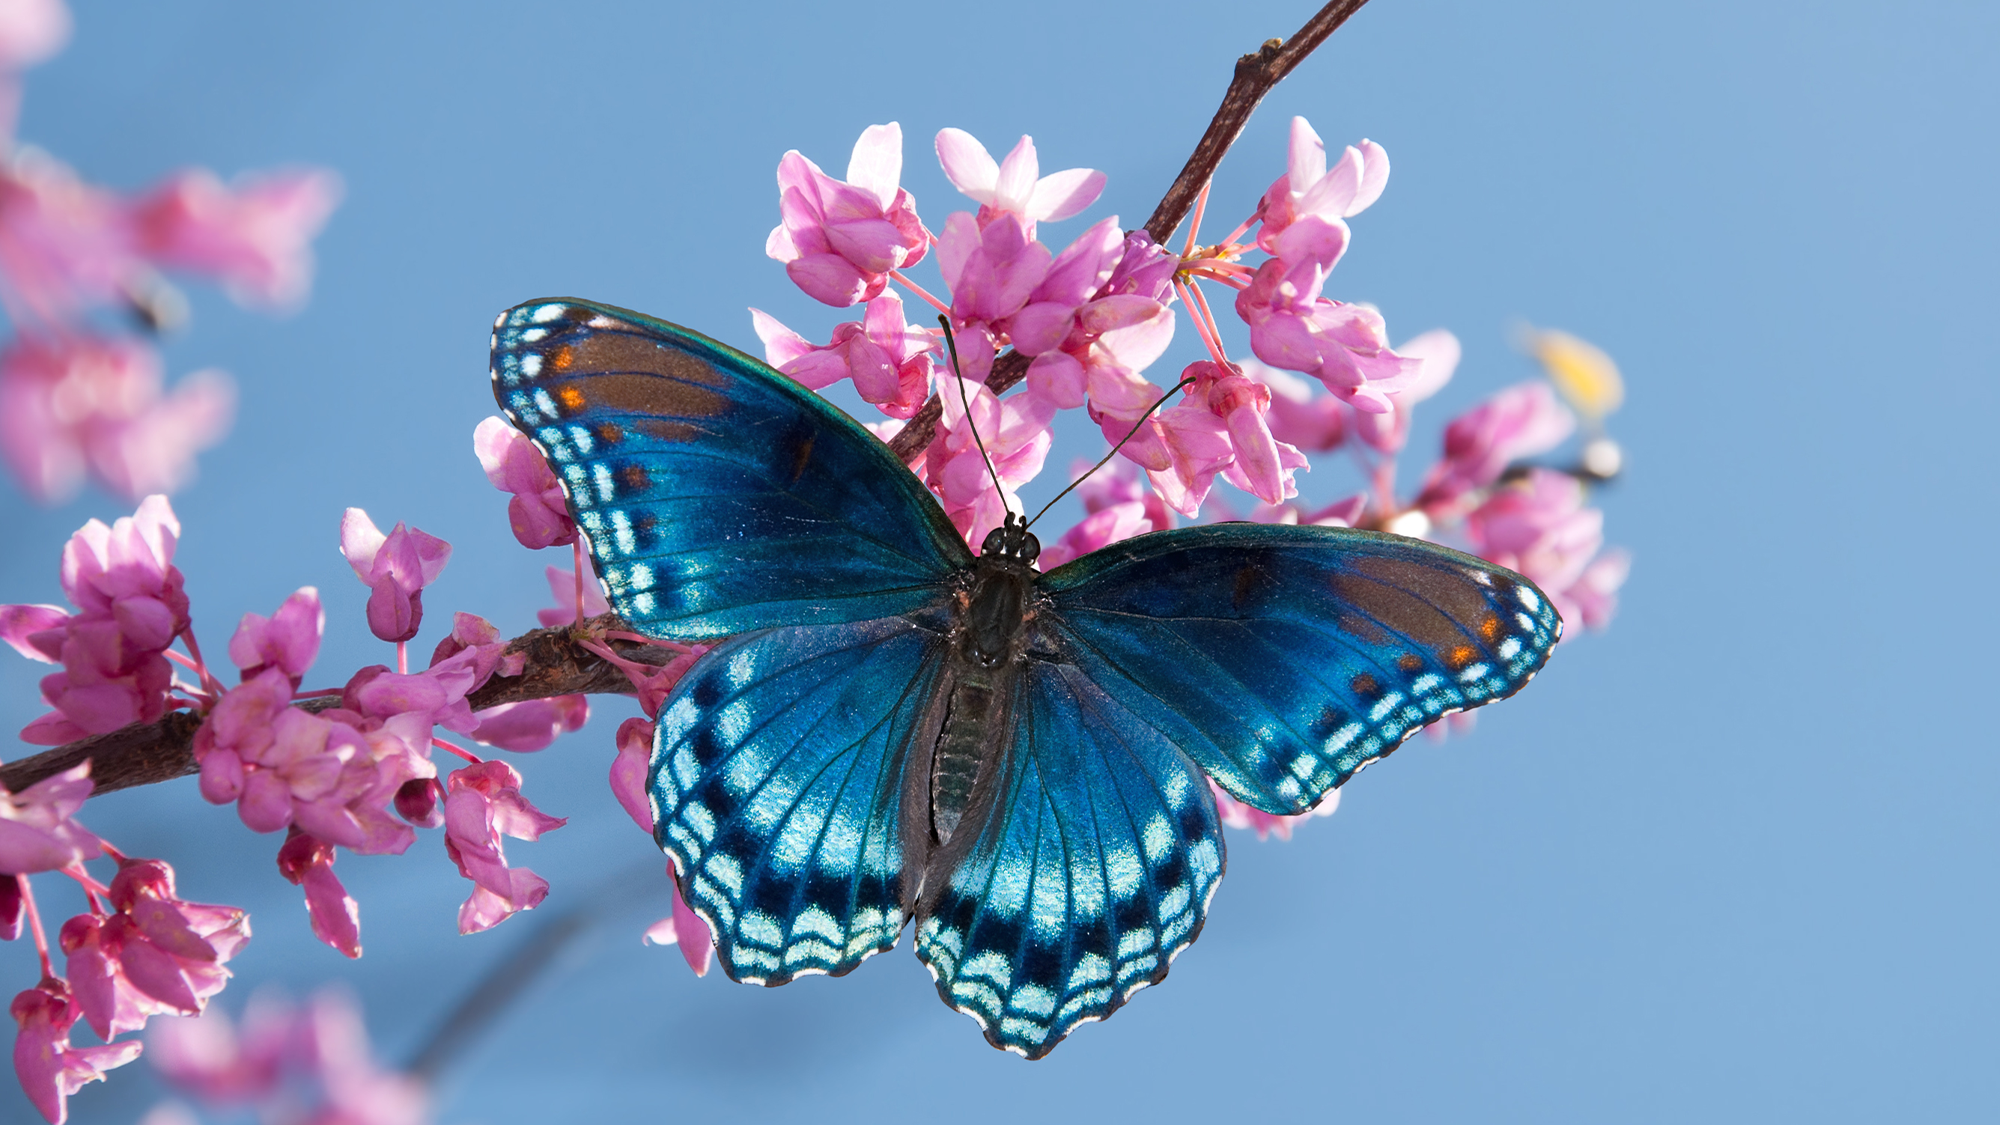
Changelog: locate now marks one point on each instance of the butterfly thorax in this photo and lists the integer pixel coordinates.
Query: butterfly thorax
(987, 647)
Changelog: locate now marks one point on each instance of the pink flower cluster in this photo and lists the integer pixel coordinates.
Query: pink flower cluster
(309, 1063)
(76, 402)
(1090, 318)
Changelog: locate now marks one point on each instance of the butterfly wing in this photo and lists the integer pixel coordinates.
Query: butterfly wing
(718, 495)
(1091, 869)
(776, 777)
(1283, 659)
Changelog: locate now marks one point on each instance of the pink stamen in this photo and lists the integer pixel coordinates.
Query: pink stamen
(913, 287)
(91, 887)
(35, 925)
(449, 748)
(1200, 207)
(208, 682)
(403, 658)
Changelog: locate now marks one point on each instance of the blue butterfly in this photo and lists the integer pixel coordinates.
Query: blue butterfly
(895, 731)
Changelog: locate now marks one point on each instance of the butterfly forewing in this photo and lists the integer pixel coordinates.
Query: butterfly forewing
(717, 494)
(1283, 659)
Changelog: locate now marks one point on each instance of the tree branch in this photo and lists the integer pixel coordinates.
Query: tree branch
(144, 753)
(1256, 74)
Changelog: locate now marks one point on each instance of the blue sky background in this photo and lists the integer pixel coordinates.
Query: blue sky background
(1731, 861)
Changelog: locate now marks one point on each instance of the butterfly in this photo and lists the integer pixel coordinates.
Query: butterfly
(891, 730)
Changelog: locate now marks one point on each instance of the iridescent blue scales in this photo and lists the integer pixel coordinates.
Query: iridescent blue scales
(898, 733)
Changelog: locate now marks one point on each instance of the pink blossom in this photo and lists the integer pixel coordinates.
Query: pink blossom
(1236, 814)
(130, 607)
(1539, 525)
(562, 583)
(353, 1088)
(49, 1068)
(208, 1057)
(839, 240)
(13, 907)
(64, 244)
(1309, 190)
(1519, 422)
(684, 928)
(530, 724)
(31, 31)
(35, 631)
(1015, 186)
(1345, 346)
(1594, 594)
(1297, 415)
(421, 802)
(1110, 341)
(1118, 506)
(629, 770)
(1437, 352)
(1016, 437)
(992, 270)
(1074, 277)
(73, 405)
(255, 235)
(287, 640)
(537, 510)
(37, 832)
(164, 952)
(396, 568)
(889, 361)
(470, 632)
(336, 919)
(483, 803)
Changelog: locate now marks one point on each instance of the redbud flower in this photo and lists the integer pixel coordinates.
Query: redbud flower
(13, 908)
(1308, 420)
(49, 1068)
(536, 511)
(396, 568)
(1309, 190)
(288, 640)
(1437, 351)
(64, 244)
(840, 240)
(562, 583)
(336, 919)
(167, 950)
(208, 1057)
(1540, 526)
(353, 1088)
(490, 656)
(1016, 437)
(1594, 594)
(889, 361)
(531, 724)
(255, 235)
(36, 829)
(1521, 421)
(1014, 186)
(629, 770)
(991, 270)
(31, 31)
(483, 803)
(74, 404)
(684, 928)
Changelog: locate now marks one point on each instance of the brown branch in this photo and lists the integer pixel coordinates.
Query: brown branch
(144, 753)
(1255, 76)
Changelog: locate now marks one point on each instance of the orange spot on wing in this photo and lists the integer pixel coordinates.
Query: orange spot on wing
(1409, 662)
(1365, 685)
(1458, 656)
(1489, 628)
(571, 398)
(561, 359)
(609, 433)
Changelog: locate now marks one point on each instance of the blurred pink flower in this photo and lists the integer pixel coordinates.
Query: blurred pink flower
(208, 1057)
(1104, 526)
(684, 928)
(64, 244)
(36, 829)
(1016, 437)
(537, 510)
(156, 952)
(1594, 594)
(75, 405)
(49, 1068)
(483, 802)
(353, 1088)
(308, 862)
(1521, 421)
(1236, 814)
(288, 640)
(530, 724)
(562, 583)
(889, 361)
(1298, 414)
(1539, 525)
(396, 568)
(254, 235)
(1015, 186)
(1309, 190)
(839, 240)
(1438, 353)
(31, 31)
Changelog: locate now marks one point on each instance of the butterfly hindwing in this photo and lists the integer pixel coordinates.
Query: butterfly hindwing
(1282, 658)
(717, 494)
(775, 782)
(1092, 869)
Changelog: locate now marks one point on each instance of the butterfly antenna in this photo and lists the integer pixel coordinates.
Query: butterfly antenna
(951, 344)
(1171, 391)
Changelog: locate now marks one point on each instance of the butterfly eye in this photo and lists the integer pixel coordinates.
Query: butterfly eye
(1030, 547)
(996, 542)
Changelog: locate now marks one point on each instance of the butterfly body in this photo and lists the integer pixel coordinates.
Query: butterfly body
(897, 731)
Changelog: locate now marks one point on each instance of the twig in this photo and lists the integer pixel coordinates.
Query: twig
(1256, 74)
(145, 753)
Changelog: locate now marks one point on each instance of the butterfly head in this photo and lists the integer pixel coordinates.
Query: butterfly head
(1011, 540)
